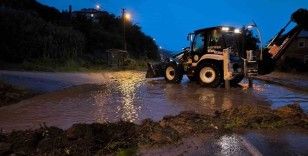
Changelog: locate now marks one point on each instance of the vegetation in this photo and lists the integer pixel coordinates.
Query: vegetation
(124, 138)
(31, 32)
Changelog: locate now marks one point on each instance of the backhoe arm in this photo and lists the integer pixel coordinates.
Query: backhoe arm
(278, 45)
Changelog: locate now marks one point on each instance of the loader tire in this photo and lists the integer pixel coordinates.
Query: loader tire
(173, 73)
(210, 74)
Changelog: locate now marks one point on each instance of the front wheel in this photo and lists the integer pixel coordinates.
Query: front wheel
(210, 75)
(173, 74)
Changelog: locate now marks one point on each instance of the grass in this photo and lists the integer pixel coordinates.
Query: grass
(71, 65)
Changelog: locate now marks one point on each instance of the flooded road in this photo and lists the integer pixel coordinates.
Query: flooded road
(277, 95)
(128, 96)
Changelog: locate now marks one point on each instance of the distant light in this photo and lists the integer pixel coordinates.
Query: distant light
(127, 16)
(160, 47)
(92, 15)
(237, 31)
(250, 26)
(154, 39)
(225, 28)
(98, 7)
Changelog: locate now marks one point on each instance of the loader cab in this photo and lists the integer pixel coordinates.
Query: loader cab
(213, 40)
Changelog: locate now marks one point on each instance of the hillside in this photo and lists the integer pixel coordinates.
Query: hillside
(32, 32)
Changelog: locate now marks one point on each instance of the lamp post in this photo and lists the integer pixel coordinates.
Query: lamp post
(254, 25)
(125, 17)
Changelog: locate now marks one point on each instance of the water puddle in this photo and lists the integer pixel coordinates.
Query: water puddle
(277, 95)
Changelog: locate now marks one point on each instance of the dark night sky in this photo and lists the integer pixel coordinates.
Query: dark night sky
(169, 21)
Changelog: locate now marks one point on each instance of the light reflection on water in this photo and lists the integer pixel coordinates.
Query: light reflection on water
(128, 86)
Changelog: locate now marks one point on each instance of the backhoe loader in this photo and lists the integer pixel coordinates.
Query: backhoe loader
(218, 54)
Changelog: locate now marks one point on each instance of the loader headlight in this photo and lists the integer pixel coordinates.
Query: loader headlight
(196, 57)
(237, 31)
(226, 29)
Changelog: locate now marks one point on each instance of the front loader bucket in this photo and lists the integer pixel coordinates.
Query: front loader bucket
(155, 70)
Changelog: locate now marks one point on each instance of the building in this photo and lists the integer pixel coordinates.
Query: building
(298, 49)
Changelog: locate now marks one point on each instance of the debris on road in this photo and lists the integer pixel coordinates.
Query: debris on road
(125, 137)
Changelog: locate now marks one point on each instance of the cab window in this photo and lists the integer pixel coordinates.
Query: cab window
(198, 44)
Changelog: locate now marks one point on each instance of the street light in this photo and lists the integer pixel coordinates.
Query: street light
(126, 17)
(97, 7)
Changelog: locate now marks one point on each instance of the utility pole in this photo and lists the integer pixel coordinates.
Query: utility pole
(125, 17)
(124, 29)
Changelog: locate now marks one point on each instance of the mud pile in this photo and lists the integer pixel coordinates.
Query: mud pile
(10, 95)
(80, 139)
(125, 138)
(290, 116)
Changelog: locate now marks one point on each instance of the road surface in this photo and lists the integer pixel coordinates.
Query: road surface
(112, 96)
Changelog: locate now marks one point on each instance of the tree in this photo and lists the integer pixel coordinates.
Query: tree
(30, 30)
(25, 36)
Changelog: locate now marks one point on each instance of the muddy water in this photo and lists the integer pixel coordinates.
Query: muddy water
(126, 96)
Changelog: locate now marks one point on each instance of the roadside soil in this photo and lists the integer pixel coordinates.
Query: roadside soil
(10, 94)
(125, 138)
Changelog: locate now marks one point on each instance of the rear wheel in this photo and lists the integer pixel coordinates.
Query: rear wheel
(210, 75)
(173, 74)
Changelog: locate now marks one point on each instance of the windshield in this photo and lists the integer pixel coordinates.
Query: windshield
(219, 40)
(198, 44)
